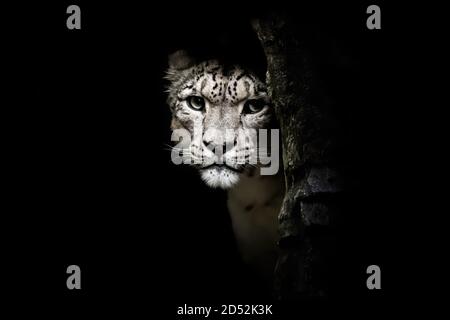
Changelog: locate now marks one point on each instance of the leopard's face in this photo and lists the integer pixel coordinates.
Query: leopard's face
(216, 106)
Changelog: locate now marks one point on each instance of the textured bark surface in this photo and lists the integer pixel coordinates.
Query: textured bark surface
(312, 182)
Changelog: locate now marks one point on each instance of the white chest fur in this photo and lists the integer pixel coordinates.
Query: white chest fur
(254, 204)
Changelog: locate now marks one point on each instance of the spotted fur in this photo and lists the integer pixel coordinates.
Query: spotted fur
(225, 91)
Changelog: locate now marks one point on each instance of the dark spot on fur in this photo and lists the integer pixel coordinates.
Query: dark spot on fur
(252, 77)
(247, 86)
(240, 76)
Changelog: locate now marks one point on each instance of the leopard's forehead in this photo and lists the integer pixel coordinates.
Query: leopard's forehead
(218, 84)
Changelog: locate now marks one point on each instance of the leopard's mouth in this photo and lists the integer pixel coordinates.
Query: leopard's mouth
(221, 167)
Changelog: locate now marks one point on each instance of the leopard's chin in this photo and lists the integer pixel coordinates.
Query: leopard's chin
(221, 177)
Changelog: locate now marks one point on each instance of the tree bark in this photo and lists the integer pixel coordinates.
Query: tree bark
(312, 180)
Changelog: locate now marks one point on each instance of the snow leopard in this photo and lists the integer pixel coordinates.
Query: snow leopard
(215, 102)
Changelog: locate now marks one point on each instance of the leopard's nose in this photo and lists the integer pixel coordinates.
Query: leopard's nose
(221, 148)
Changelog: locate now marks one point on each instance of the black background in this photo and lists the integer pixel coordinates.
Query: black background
(92, 182)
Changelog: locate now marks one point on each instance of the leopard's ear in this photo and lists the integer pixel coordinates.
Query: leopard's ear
(180, 60)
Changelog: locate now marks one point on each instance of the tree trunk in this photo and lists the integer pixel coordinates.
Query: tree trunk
(312, 181)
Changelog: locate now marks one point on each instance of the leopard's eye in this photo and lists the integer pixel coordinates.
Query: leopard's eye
(254, 106)
(196, 103)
